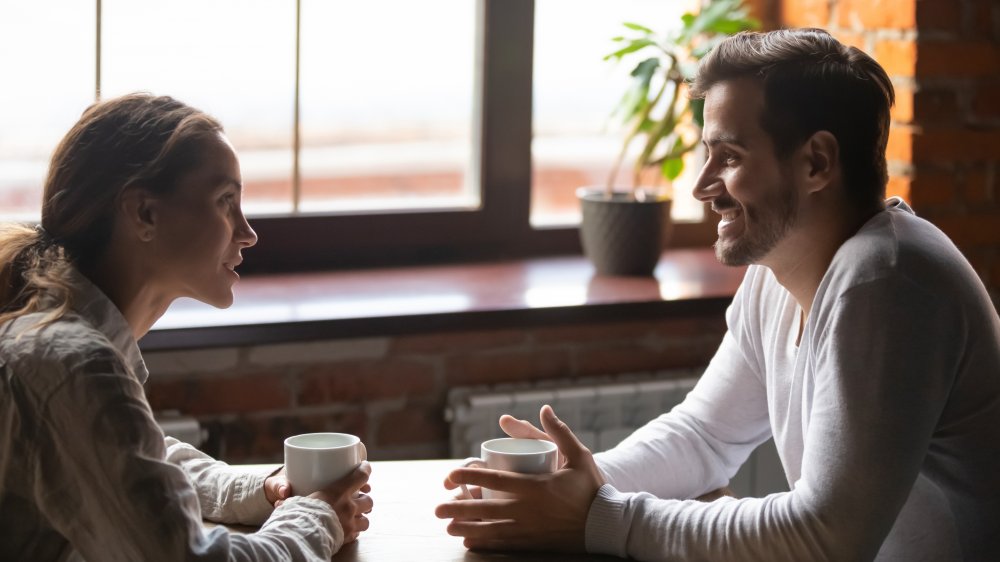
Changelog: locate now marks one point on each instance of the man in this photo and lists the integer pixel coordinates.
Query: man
(860, 339)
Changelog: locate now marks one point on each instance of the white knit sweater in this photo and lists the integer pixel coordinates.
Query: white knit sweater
(886, 417)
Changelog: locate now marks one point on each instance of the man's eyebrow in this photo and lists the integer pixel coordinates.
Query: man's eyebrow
(723, 139)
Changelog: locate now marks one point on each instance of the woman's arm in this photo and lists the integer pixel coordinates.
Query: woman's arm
(226, 494)
(104, 482)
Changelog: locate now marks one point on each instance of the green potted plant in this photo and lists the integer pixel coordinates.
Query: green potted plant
(623, 231)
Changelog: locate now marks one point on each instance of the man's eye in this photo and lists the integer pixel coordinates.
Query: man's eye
(730, 159)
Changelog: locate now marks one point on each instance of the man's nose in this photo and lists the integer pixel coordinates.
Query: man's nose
(708, 186)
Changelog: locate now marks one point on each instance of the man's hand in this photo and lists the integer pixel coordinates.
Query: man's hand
(350, 500)
(549, 511)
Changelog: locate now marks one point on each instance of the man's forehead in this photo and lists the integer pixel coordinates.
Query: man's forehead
(732, 110)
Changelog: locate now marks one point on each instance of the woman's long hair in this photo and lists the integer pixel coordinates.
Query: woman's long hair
(135, 140)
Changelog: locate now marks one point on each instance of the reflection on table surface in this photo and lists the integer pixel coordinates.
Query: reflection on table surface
(403, 525)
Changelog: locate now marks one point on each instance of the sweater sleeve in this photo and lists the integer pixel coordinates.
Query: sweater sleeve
(874, 407)
(699, 445)
(103, 481)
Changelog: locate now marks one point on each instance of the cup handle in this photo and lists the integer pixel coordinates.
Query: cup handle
(364, 451)
(471, 461)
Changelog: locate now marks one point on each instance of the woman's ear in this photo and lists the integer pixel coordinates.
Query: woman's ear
(137, 207)
(820, 161)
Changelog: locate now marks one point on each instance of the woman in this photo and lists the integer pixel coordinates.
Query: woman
(141, 206)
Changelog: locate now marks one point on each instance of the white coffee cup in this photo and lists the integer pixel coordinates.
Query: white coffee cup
(313, 461)
(527, 456)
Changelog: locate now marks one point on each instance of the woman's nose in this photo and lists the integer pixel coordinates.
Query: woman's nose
(244, 235)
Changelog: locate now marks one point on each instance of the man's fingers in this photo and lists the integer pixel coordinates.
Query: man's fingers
(521, 429)
(485, 509)
(562, 436)
(491, 530)
(500, 480)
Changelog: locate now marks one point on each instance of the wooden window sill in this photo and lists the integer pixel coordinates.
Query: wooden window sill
(409, 300)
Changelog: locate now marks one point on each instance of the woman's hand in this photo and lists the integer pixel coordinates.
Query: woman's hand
(276, 488)
(350, 500)
(549, 511)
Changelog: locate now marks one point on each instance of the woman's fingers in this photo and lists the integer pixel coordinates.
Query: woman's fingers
(365, 504)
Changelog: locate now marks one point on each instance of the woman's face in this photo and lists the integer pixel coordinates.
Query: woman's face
(201, 230)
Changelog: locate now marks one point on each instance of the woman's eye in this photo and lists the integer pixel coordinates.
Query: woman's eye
(730, 159)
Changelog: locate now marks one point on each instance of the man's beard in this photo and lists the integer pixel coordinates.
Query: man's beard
(764, 225)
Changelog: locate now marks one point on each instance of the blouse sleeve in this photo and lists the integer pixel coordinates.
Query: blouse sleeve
(226, 494)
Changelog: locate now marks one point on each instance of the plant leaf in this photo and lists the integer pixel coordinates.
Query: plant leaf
(698, 111)
(672, 168)
(633, 46)
(644, 70)
(637, 27)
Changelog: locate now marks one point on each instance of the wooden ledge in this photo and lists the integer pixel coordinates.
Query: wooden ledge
(478, 296)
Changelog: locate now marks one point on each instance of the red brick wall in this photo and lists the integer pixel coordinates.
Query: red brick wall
(392, 391)
(944, 148)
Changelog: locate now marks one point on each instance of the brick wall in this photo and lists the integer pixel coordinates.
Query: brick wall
(944, 147)
(392, 391)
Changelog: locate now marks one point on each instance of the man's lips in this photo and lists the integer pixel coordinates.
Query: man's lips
(728, 217)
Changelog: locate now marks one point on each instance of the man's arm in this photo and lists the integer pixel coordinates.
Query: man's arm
(874, 408)
(702, 442)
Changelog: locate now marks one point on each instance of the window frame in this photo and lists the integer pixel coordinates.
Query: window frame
(502, 167)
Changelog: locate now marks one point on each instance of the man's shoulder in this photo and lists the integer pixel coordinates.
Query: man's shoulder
(898, 245)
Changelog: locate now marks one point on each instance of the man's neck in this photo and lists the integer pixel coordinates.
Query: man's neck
(801, 260)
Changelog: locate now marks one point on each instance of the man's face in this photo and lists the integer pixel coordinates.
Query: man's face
(743, 178)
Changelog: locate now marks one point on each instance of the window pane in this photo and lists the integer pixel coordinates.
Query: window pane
(47, 56)
(386, 90)
(234, 59)
(576, 139)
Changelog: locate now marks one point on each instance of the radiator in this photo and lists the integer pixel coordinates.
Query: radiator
(601, 414)
(182, 428)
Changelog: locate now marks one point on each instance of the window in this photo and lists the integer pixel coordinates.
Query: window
(576, 139)
(47, 61)
(369, 133)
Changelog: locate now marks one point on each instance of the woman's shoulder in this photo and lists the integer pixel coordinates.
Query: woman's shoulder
(52, 350)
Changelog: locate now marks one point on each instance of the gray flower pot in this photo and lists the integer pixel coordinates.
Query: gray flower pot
(622, 236)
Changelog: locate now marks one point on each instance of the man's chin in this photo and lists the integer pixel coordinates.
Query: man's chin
(730, 255)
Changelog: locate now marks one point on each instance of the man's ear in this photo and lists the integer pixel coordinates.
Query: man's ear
(820, 163)
(137, 207)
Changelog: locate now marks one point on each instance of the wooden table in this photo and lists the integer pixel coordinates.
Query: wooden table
(404, 528)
